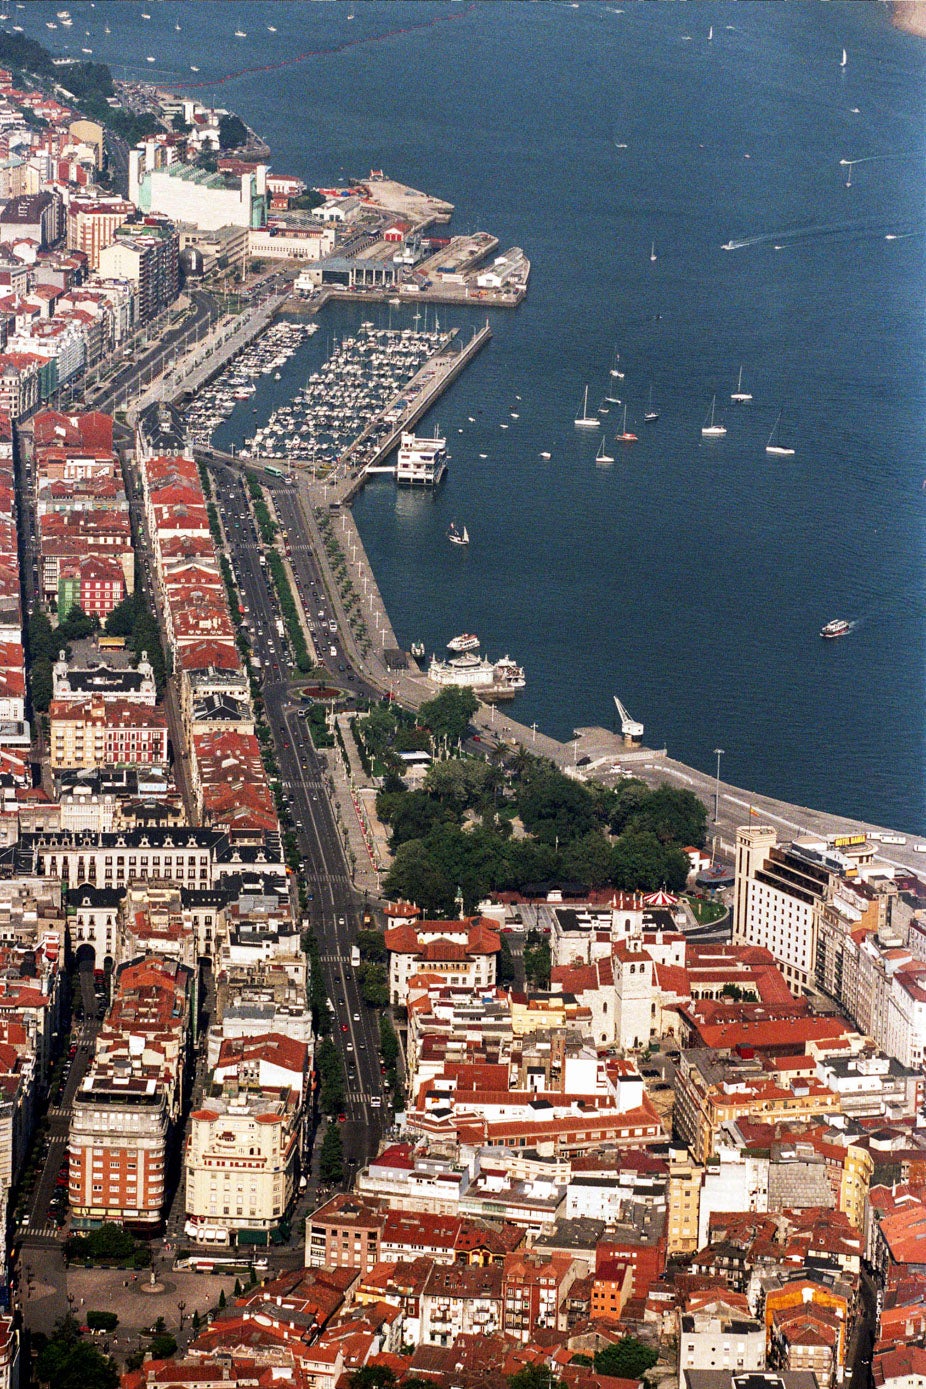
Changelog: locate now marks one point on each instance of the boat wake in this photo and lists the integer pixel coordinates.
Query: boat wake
(834, 231)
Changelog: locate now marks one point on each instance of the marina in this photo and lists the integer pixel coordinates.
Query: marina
(351, 402)
(236, 381)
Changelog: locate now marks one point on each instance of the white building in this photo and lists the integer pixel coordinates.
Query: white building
(777, 895)
(187, 194)
(241, 1162)
(720, 1335)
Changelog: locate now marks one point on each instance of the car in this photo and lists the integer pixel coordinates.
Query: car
(344, 1027)
(375, 1102)
(356, 1017)
(342, 1119)
(340, 921)
(350, 1046)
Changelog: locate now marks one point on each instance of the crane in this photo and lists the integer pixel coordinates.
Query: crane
(631, 730)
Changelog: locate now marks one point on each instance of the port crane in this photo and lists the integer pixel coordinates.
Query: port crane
(631, 730)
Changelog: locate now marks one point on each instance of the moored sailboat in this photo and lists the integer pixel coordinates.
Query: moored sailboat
(739, 396)
(774, 445)
(709, 429)
(626, 436)
(585, 420)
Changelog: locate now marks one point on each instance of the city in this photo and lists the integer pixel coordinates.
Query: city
(352, 1035)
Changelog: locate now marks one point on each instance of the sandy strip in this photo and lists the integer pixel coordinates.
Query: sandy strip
(910, 16)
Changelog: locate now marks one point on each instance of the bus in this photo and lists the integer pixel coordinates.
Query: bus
(274, 472)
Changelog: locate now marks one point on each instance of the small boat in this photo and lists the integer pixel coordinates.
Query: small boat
(466, 641)
(240, 34)
(271, 29)
(86, 50)
(838, 627)
(728, 246)
(483, 455)
(844, 59)
(149, 60)
(585, 420)
(739, 396)
(546, 454)
(709, 429)
(649, 414)
(193, 68)
(652, 251)
(503, 426)
(457, 537)
(773, 446)
(625, 436)
(601, 456)
(616, 366)
(514, 414)
(710, 33)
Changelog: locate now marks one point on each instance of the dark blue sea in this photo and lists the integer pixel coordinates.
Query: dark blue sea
(690, 577)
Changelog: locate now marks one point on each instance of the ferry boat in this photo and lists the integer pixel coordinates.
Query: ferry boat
(838, 627)
(417, 650)
(466, 641)
(420, 462)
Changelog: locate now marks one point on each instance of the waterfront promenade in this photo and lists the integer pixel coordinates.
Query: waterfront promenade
(729, 805)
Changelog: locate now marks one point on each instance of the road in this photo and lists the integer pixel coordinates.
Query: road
(334, 913)
(150, 362)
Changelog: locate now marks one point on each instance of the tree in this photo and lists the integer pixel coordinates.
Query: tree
(640, 863)
(77, 625)
(372, 1377)
(331, 1160)
(588, 860)
(414, 814)
(121, 620)
(388, 1041)
(68, 1362)
(414, 877)
(162, 1346)
(553, 806)
(628, 1358)
(41, 638)
(448, 715)
(372, 946)
(102, 1321)
(374, 985)
(222, 1299)
(178, 124)
(232, 132)
(42, 684)
(674, 815)
(537, 962)
(504, 969)
(535, 1377)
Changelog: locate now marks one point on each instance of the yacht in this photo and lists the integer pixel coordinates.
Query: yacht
(626, 435)
(466, 641)
(602, 457)
(709, 429)
(838, 627)
(457, 537)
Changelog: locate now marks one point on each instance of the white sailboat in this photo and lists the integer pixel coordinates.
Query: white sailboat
(616, 366)
(650, 414)
(457, 537)
(844, 59)
(602, 456)
(773, 446)
(739, 396)
(585, 420)
(710, 430)
(652, 250)
(710, 33)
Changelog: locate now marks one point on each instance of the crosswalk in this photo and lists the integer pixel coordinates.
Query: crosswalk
(335, 959)
(57, 1111)
(47, 1230)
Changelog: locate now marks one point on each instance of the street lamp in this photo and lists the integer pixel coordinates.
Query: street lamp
(533, 733)
(718, 753)
(181, 1308)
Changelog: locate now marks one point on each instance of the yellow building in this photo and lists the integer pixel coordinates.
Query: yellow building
(684, 1197)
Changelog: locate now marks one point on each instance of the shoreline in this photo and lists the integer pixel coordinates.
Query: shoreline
(909, 16)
